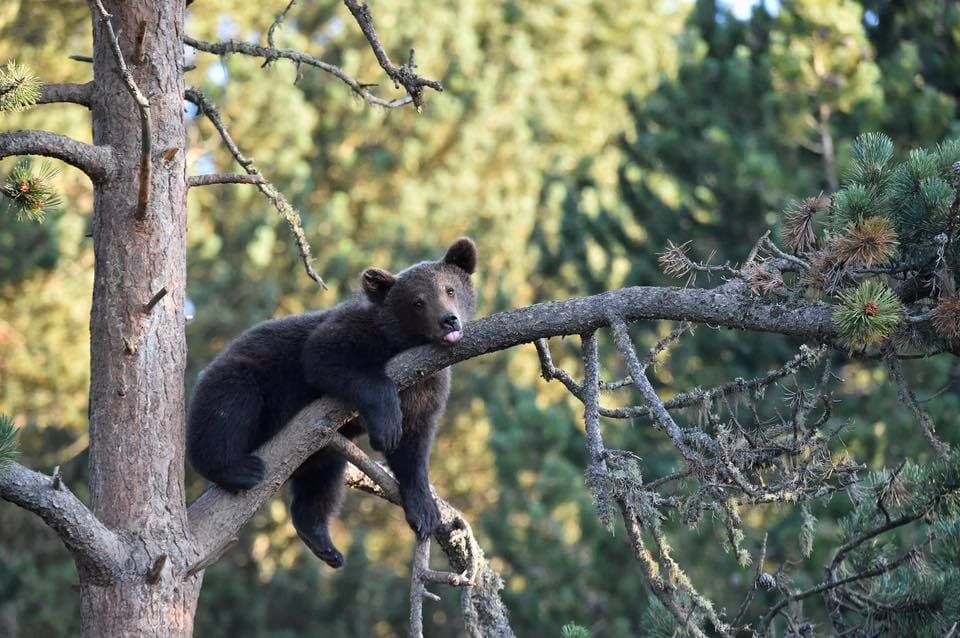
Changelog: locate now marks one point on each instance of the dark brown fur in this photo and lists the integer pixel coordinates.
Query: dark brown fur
(253, 388)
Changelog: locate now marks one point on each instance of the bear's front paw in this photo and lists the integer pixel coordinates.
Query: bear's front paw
(386, 432)
(421, 513)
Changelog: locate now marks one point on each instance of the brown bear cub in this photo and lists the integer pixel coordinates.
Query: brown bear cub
(255, 386)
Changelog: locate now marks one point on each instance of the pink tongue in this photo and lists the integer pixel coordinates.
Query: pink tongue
(453, 337)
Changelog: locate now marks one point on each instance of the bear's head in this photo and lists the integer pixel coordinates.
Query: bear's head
(429, 302)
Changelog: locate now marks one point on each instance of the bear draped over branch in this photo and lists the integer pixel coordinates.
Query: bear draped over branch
(272, 371)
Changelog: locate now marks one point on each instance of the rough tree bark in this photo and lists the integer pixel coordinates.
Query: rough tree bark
(138, 357)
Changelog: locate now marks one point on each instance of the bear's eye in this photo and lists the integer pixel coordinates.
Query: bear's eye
(451, 292)
(418, 304)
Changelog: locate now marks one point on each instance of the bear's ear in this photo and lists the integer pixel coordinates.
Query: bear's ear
(462, 253)
(376, 283)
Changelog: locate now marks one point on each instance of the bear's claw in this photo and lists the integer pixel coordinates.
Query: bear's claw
(323, 548)
(422, 514)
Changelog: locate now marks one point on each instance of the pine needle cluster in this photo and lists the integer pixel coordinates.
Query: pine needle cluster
(30, 193)
(19, 88)
(866, 242)
(9, 449)
(868, 315)
(946, 318)
(798, 223)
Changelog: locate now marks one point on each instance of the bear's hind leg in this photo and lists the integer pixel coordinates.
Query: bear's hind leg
(222, 428)
(317, 489)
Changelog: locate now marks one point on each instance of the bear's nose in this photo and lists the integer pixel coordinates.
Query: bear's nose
(450, 322)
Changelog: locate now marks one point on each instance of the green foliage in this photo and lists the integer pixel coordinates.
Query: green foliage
(658, 622)
(573, 630)
(871, 152)
(919, 595)
(29, 192)
(9, 448)
(867, 315)
(19, 87)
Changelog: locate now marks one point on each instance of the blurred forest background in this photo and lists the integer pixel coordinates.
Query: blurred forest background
(573, 139)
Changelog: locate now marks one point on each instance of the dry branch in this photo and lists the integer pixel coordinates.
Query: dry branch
(224, 178)
(269, 53)
(96, 161)
(909, 399)
(403, 75)
(286, 210)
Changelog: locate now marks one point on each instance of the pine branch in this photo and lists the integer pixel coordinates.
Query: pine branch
(217, 516)
(96, 161)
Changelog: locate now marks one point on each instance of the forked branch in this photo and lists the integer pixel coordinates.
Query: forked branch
(290, 215)
(403, 75)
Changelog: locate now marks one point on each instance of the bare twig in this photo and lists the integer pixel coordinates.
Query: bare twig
(276, 23)
(224, 178)
(753, 588)
(661, 588)
(143, 106)
(290, 215)
(909, 399)
(420, 575)
(660, 414)
(269, 53)
(591, 392)
(155, 299)
(403, 75)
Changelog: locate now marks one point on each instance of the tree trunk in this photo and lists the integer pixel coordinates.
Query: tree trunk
(138, 355)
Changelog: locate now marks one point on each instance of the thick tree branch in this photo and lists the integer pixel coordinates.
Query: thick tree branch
(96, 161)
(69, 93)
(97, 551)
(217, 516)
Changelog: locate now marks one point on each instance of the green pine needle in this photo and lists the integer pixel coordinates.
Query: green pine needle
(19, 87)
(867, 315)
(30, 193)
(871, 152)
(9, 449)
(573, 630)
(853, 203)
